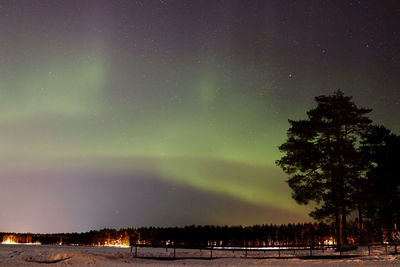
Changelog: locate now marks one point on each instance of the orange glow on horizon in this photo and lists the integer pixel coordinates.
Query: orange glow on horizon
(9, 241)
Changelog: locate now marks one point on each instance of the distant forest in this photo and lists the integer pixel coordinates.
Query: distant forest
(313, 234)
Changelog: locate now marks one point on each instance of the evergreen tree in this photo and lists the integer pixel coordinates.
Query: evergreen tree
(382, 189)
(322, 155)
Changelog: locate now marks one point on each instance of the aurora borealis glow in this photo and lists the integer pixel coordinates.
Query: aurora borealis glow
(132, 113)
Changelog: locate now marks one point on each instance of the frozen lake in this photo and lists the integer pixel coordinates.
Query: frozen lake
(38, 255)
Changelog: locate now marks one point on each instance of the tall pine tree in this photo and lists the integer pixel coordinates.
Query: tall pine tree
(321, 157)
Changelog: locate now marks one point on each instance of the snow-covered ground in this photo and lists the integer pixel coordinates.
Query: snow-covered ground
(37, 255)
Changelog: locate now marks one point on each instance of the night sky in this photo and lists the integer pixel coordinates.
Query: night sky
(164, 113)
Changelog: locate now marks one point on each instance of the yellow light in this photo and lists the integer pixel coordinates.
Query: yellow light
(115, 243)
(118, 246)
(9, 241)
(329, 242)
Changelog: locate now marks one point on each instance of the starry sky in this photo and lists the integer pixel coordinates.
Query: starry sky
(166, 112)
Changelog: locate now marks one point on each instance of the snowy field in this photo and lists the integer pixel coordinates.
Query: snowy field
(37, 255)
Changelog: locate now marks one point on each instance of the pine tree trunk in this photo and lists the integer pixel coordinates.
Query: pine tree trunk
(360, 226)
(338, 228)
(344, 226)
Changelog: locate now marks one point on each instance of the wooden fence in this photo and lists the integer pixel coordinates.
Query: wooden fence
(265, 252)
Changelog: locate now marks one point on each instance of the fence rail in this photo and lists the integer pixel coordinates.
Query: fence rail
(265, 252)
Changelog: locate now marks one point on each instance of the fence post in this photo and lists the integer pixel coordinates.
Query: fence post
(369, 250)
(279, 251)
(174, 252)
(135, 251)
(246, 253)
(211, 252)
(310, 251)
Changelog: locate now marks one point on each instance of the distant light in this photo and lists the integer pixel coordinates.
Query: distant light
(115, 243)
(329, 242)
(117, 246)
(9, 241)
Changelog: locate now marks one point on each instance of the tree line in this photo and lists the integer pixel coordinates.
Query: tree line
(346, 165)
(204, 236)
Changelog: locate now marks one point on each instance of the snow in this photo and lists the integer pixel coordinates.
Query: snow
(24, 255)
